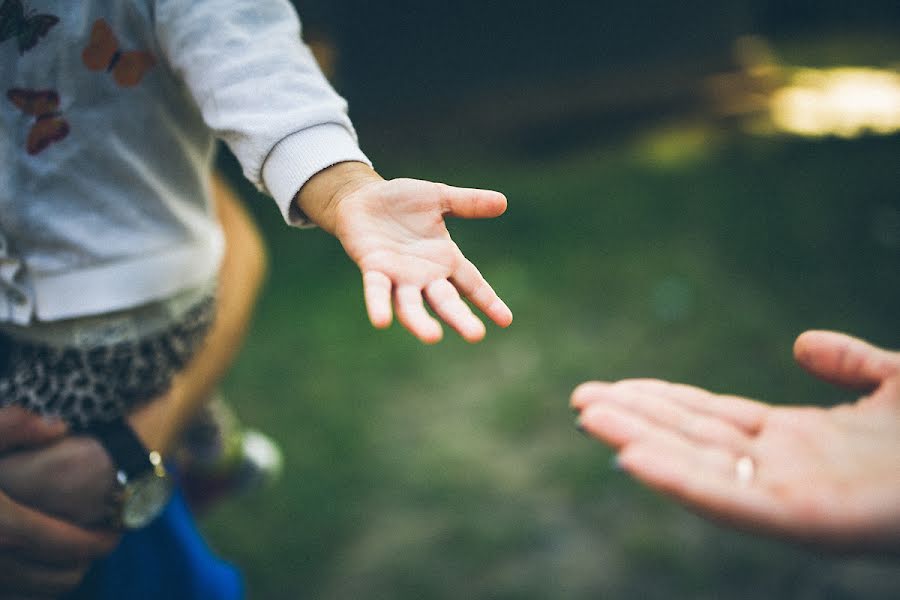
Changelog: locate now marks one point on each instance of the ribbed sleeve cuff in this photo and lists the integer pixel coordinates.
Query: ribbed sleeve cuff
(299, 156)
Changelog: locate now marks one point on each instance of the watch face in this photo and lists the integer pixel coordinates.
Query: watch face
(145, 498)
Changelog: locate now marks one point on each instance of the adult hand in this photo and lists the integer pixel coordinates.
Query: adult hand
(21, 429)
(71, 479)
(40, 557)
(828, 477)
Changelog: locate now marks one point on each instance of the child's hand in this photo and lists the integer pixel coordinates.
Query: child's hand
(395, 231)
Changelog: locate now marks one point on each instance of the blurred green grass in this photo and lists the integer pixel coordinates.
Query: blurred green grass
(455, 471)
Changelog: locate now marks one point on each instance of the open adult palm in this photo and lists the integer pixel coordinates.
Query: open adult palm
(395, 232)
(823, 476)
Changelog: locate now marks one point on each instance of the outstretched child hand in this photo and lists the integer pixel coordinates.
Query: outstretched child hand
(395, 232)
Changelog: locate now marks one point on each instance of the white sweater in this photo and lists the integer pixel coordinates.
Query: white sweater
(107, 125)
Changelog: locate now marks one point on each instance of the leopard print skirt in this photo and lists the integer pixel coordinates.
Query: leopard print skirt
(101, 380)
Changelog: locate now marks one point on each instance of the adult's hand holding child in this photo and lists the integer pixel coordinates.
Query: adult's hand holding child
(40, 556)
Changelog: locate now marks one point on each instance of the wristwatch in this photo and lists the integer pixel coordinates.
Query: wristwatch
(145, 486)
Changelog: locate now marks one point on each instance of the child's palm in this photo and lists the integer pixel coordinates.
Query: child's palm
(395, 232)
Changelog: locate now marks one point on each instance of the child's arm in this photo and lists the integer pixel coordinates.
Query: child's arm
(259, 89)
(395, 232)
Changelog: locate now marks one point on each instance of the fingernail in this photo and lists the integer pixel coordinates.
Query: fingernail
(499, 307)
(580, 426)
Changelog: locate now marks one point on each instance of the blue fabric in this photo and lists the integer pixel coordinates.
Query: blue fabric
(167, 559)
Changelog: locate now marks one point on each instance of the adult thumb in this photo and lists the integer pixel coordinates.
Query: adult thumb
(22, 429)
(845, 360)
(472, 203)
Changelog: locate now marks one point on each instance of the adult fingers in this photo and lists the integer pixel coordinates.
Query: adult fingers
(21, 428)
(886, 397)
(615, 426)
(748, 415)
(72, 479)
(412, 314)
(471, 203)
(620, 427)
(845, 360)
(660, 411)
(587, 393)
(444, 299)
(29, 534)
(27, 579)
(377, 292)
(641, 444)
(706, 486)
(472, 285)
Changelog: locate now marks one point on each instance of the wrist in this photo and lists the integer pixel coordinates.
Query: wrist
(321, 196)
(153, 424)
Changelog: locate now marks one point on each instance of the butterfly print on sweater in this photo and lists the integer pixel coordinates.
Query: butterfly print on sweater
(103, 54)
(26, 26)
(43, 105)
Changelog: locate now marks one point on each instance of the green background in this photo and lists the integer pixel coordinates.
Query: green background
(677, 247)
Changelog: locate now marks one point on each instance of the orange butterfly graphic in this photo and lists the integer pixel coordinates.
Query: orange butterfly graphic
(103, 54)
(48, 126)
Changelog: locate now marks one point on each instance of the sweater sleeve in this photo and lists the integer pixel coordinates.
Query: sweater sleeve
(259, 89)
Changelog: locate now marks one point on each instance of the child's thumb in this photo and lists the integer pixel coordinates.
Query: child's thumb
(845, 360)
(472, 203)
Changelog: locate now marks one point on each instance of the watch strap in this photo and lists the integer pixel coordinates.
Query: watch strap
(122, 444)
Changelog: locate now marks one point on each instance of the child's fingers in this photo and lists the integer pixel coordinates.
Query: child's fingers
(471, 203)
(471, 284)
(445, 301)
(412, 314)
(377, 292)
